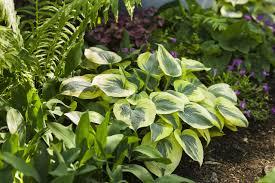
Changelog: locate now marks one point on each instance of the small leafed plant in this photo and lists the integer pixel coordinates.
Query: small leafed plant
(156, 97)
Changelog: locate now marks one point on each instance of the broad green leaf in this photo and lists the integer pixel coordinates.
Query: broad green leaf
(232, 115)
(65, 179)
(140, 172)
(229, 11)
(112, 142)
(94, 117)
(82, 131)
(173, 179)
(193, 92)
(63, 133)
(169, 148)
(172, 119)
(102, 131)
(190, 143)
(101, 57)
(196, 116)
(133, 99)
(80, 86)
(193, 65)
(138, 116)
(73, 59)
(167, 103)
(168, 63)
(148, 63)
(160, 130)
(114, 85)
(223, 90)
(148, 153)
(14, 120)
(20, 165)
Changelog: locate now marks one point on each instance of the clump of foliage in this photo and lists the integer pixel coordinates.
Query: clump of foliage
(268, 178)
(128, 32)
(253, 98)
(215, 40)
(74, 115)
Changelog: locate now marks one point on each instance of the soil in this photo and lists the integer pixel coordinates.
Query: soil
(237, 157)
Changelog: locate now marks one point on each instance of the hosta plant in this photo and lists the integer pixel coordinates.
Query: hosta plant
(156, 97)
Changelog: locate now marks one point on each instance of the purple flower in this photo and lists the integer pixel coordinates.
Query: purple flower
(124, 50)
(247, 113)
(265, 73)
(242, 104)
(247, 17)
(132, 49)
(237, 92)
(242, 72)
(268, 22)
(273, 110)
(260, 17)
(252, 74)
(174, 54)
(266, 87)
(230, 68)
(237, 62)
(173, 40)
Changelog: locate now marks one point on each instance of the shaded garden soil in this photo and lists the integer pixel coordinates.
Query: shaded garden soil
(237, 157)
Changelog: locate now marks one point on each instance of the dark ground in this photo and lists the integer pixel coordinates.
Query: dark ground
(237, 157)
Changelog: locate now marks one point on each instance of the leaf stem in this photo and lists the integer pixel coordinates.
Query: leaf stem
(168, 80)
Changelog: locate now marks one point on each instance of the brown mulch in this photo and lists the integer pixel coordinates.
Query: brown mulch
(237, 157)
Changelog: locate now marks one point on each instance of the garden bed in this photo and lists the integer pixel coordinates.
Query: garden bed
(241, 156)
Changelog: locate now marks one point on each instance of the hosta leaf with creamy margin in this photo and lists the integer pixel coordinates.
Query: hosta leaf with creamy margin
(160, 130)
(196, 116)
(101, 57)
(229, 11)
(80, 87)
(235, 2)
(193, 93)
(168, 63)
(193, 65)
(133, 99)
(169, 148)
(232, 115)
(191, 144)
(142, 115)
(167, 103)
(172, 119)
(223, 90)
(94, 117)
(114, 85)
(148, 63)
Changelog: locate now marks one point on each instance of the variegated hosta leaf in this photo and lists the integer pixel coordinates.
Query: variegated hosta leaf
(218, 119)
(169, 148)
(160, 130)
(229, 11)
(192, 78)
(223, 90)
(80, 87)
(142, 115)
(94, 117)
(167, 103)
(172, 119)
(193, 93)
(101, 57)
(193, 65)
(114, 85)
(179, 95)
(168, 63)
(235, 2)
(133, 99)
(209, 100)
(232, 115)
(205, 134)
(191, 144)
(197, 116)
(148, 63)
